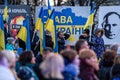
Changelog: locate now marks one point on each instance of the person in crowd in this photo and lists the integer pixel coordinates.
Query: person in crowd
(39, 59)
(81, 44)
(10, 43)
(5, 73)
(52, 67)
(115, 70)
(114, 47)
(61, 41)
(11, 57)
(88, 65)
(48, 39)
(35, 42)
(107, 63)
(85, 35)
(25, 66)
(6, 31)
(98, 43)
(71, 62)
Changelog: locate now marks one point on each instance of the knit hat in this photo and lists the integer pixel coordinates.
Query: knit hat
(10, 39)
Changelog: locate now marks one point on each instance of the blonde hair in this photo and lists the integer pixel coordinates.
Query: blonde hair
(10, 55)
(117, 59)
(51, 66)
(86, 53)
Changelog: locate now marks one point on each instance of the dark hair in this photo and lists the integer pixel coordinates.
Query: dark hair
(47, 49)
(79, 43)
(87, 31)
(109, 56)
(69, 54)
(26, 57)
(99, 30)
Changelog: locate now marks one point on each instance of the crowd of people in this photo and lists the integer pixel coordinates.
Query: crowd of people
(88, 60)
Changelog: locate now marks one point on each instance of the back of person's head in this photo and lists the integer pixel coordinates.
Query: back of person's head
(5, 73)
(117, 59)
(89, 59)
(79, 44)
(10, 56)
(26, 57)
(86, 53)
(52, 66)
(47, 49)
(69, 54)
(109, 56)
(114, 47)
(3, 60)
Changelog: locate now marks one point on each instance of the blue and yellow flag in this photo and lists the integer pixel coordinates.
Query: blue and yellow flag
(39, 26)
(51, 27)
(24, 33)
(49, 8)
(2, 37)
(5, 10)
(90, 20)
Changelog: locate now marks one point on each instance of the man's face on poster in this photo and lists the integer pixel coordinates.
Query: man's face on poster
(112, 26)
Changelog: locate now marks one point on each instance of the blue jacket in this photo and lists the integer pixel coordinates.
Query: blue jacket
(70, 72)
(98, 45)
(10, 46)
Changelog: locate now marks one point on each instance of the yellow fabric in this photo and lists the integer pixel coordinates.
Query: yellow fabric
(22, 34)
(50, 27)
(89, 22)
(41, 33)
(37, 26)
(2, 41)
(5, 13)
(72, 38)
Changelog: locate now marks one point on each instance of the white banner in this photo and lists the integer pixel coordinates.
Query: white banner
(109, 20)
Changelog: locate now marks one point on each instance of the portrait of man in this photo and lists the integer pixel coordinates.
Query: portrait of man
(111, 25)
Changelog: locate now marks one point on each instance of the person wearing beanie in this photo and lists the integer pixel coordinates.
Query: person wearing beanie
(10, 43)
(98, 43)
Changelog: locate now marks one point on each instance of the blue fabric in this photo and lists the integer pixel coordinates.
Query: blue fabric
(98, 45)
(70, 72)
(10, 46)
(116, 78)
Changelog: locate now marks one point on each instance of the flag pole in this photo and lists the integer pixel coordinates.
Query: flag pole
(90, 33)
(33, 35)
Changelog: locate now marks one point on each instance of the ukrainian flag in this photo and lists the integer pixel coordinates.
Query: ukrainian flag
(49, 8)
(24, 33)
(50, 27)
(5, 10)
(90, 20)
(2, 38)
(39, 26)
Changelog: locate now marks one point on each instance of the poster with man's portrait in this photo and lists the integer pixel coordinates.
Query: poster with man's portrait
(109, 20)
